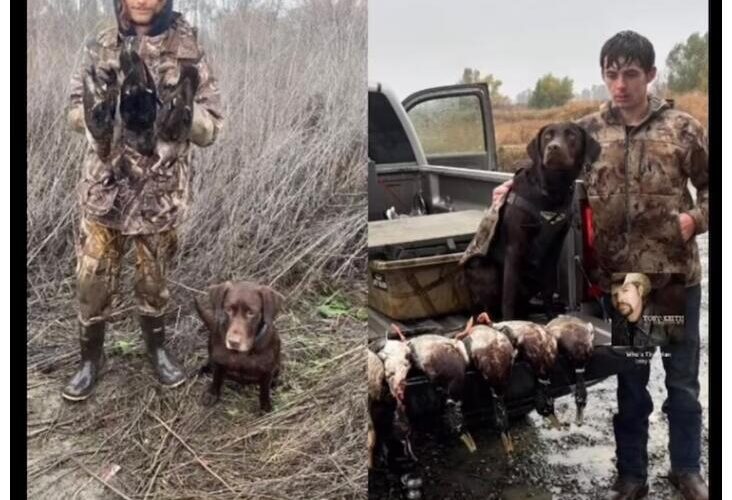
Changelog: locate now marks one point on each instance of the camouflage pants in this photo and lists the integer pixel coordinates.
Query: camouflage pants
(99, 253)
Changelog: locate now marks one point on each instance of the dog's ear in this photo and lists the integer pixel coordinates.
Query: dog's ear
(205, 312)
(592, 149)
(211, 310)
(271, 303)
(534, 147)
(217, 294)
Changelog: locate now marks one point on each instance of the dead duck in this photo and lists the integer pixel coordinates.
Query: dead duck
(444, 361)
(138, 100)
(176, 112)
(575, 338)
(386, 420)
(539, 349)
(397, 358)
(100, 107)
(493, 354)
(387, 423)
(388, 411)
(376, 382)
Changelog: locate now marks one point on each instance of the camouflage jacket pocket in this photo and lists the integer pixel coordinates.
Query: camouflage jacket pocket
(98, 196)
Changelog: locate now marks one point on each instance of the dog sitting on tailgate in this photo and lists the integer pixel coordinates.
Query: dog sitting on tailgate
(243, 344)
(521, 259)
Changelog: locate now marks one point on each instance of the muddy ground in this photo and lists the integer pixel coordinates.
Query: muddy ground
(133, 439)
(577, 463)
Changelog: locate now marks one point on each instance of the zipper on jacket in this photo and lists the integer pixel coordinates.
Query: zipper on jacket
(627, 183)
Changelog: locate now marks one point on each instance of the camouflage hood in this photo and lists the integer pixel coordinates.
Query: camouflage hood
(161, 22)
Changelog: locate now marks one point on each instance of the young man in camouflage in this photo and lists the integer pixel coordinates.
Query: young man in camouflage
(128, 193)
(646, 221)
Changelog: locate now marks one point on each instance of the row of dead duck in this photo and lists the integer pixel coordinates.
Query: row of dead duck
(490, 348)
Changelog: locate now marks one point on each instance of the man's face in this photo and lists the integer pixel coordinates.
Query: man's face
(627, 83)
(629, 301)
(142, 12)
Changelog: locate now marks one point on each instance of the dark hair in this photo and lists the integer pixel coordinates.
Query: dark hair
(629, 46)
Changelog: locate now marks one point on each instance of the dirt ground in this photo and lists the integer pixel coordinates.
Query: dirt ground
(132, 439)
(577, 463)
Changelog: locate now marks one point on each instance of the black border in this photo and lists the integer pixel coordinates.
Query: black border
(19, 236)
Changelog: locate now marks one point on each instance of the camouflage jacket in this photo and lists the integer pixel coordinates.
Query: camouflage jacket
(145, 197)
(638, 187)
(481, 242)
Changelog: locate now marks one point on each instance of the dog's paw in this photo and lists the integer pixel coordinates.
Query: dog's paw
(208, 399)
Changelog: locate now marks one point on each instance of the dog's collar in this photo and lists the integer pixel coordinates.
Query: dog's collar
(547, 216)
(552, 217)
(263, 327)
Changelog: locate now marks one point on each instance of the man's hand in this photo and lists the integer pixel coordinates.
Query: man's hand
(501, 191)
(687, 225)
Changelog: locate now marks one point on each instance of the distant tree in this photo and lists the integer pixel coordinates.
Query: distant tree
(688, 64)
(551, 91)
(523, 97)
(594, 93)
(471, 75)
(659, 85)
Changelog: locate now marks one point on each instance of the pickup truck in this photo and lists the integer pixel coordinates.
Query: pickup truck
(432, 158)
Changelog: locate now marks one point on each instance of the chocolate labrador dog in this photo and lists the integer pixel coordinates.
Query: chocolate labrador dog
(532, 224)
(243, 344)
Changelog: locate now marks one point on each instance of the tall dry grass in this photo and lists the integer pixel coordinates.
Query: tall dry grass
(519, 124)
(275, 200)
(280, 198)
(694, 103)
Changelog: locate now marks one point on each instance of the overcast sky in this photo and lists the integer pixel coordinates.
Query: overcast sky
(414, 44)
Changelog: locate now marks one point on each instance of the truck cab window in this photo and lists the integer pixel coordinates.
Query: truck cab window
(388, 141)
(450, 125)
